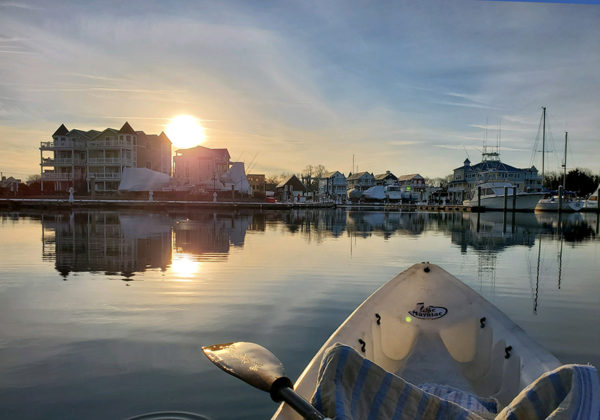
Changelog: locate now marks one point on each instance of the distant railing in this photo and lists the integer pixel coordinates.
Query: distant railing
(56, 176)
(62, 161)
(108, 161)
(107, 175)
(66, 144)
(103, 144)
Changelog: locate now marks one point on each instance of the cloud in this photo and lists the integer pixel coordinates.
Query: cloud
(20, 6)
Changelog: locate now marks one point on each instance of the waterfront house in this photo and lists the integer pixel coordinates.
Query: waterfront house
(9, 185)
(290, 189)
(333, 185)
(201, 166)
(413, 187)
(387, 178)
(86, 160)
(360, 181)
(491, 169)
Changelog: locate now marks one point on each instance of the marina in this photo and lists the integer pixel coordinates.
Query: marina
(119, 302)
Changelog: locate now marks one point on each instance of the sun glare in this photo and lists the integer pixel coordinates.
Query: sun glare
(184, 266)
(185, 131)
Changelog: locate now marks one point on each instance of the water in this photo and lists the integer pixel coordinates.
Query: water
(103, 313)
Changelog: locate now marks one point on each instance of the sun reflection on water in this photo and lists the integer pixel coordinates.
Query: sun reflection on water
(185, 267)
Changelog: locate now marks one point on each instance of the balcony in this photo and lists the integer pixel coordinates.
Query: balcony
(109, 161)
(56, 176)
(109, 144)
(103, 176)
(62, 161)
(59, 145)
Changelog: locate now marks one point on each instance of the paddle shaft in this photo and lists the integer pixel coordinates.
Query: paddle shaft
(299, 404)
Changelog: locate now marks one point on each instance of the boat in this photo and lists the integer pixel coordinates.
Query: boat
(592, 200)
(492, 197)
(555, 202)
(426, 326)
(390, 192)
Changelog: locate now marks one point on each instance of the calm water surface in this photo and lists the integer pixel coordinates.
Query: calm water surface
(103, 313)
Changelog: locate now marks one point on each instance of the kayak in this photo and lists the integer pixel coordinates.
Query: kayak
(426, 326)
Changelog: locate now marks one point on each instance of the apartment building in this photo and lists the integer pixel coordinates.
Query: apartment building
(94, 160)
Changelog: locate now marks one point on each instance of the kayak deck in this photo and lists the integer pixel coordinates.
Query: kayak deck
(429, 327)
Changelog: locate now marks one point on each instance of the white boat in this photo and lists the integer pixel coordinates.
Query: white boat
(492, 197)
(552, 204)
(592, 200)
(427, 326)
(375, 193)
(383, 193)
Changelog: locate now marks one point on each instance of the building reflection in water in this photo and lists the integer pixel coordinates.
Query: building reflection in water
(107, 242)
(126, 243)
(208, 236)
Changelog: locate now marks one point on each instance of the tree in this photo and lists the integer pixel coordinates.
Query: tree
(311, 175)
(271, 181)
(579, 180)
(34, 178)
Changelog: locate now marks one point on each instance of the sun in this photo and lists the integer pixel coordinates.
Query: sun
(185, 131)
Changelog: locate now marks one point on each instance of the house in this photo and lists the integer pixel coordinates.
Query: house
(413, 187)
(201, 166)
(333, 185)
(387, 178)
(258, 184)
(490, 169)
(9, 184)
(290, 189)
(360, 181)
(94, 160)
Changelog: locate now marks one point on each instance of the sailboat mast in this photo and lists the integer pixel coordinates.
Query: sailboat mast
(543, 142)
(565, 163)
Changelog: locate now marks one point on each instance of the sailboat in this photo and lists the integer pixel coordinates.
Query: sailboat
(553, 203)
(592, 200)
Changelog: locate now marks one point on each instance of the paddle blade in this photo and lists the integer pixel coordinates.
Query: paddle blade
(250, 362)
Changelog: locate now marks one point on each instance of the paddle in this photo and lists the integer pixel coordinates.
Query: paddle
(260, 368)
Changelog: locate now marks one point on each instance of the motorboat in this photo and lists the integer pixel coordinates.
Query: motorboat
(492, 197)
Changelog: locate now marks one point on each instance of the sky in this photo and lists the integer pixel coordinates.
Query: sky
(406, 86)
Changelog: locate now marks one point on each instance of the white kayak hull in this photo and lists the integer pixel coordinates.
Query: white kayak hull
(426, 326)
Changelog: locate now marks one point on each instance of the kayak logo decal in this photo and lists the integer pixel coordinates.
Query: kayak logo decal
(428, 312)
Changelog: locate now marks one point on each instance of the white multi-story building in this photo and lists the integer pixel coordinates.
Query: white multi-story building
(491, 169)
(94, 160)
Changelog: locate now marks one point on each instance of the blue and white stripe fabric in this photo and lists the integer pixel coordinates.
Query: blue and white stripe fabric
(568, 392)
(351, 387)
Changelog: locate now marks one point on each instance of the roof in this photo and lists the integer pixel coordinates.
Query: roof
(61, 131)
(493, 165)
(330, 174)
(126, 129)
(202, 148)
(357, 175)
(388, 174)
(409, 176)
(294, 181)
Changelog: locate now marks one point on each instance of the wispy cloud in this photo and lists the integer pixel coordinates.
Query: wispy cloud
(20, 5)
